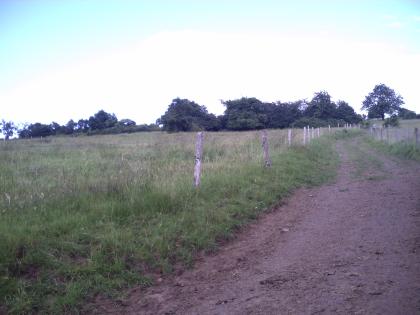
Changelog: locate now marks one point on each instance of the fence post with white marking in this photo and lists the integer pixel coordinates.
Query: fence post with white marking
(198, 156)
(267, 160)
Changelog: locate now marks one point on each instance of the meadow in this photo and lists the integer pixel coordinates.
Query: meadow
(403, 123)
(81, 216)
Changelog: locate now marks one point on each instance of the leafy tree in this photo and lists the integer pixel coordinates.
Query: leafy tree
(82, 125)
(186, 115)
(246, 114)
(321, 106)
(8, 129)
(404, 113)
(382, 100)
(346, 112)
(284, 114)
(56, 128)
(102, 120)
(36, 130)
(70, 127)
(126, 122)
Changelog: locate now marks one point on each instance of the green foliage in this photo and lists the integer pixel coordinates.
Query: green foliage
(391, 121)
(321, 106)
(36, 130)
(245, 114)
(8, 129)
(382, 100)
(365, 124)
(282, 115)
(87, 215)
(346, 113)
(404, 113)
(185, 115)
(102, 120)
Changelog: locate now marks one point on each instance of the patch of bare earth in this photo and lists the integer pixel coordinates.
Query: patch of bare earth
(352, 247)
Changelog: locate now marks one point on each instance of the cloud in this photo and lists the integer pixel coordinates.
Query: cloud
(139, 81)
(396, 25)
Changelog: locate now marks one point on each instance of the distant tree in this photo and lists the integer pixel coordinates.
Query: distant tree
(321, 106)
(284, 114)
(36, 130)
(246, 114)
(56, 128)
(345, 112)
(102, 120)
(126, 122)
(382, 100)
(82, 125)
(23, 132)
(70, 127)
(8, 129)
(186, 115)
(404, 113)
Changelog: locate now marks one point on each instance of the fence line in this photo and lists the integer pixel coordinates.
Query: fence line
(394, 135)
(295, 137)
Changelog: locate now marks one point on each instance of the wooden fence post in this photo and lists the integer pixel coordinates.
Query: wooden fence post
(308, 133)
(381, 134)
(267, 160)
(304, 135)
(416, 136)
(198, 155)
(387, 134)
(319, 132)
(289, 137)
(329, 128)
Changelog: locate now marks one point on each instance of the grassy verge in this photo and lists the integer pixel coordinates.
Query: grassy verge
(95, 215)
(401, 149)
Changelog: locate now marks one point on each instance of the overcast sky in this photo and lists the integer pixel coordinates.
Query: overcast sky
(69, 59)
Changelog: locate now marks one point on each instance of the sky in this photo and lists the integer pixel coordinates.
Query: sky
(62, 60)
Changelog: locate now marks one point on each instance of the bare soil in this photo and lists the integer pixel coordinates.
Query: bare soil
(350, 247)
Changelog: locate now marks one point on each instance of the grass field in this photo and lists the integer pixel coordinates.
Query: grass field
(404, 123)
(87, 215)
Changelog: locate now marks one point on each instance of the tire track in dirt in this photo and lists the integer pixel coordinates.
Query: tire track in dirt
(349, 247)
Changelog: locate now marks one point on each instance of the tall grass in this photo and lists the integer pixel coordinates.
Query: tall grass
(404, 149)
(87, 215)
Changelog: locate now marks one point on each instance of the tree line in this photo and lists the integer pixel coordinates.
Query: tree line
(99, 123)
(251, 113)
(246, 113)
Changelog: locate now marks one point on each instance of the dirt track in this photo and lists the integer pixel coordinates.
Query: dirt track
(351, 247)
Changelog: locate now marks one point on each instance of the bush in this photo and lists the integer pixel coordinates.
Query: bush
(391, 121)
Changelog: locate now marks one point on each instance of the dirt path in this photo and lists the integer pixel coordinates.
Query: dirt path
(352, 247)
